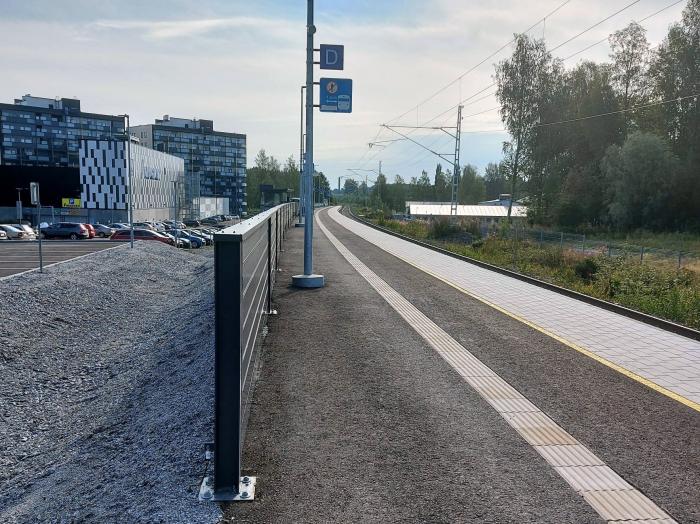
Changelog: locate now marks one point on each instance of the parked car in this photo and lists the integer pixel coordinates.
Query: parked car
(192, 223)
(141, 234)
(70, 230)
(13, 233)
(208, 239)
(210, 221)
(144, 225)
(31, 234)
(195, 242)
(91, 230)
(119, 225)
(103, 231)
(3, 235)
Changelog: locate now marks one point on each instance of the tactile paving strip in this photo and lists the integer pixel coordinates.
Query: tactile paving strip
(607, 493)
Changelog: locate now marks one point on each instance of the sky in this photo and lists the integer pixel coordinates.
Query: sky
(241, 64)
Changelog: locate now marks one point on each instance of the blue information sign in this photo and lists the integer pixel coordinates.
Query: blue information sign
(336, 95)
(332, 56)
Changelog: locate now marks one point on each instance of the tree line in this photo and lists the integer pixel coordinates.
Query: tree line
(268, 170)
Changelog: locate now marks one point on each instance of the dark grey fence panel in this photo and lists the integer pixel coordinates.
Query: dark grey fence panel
(245, 263)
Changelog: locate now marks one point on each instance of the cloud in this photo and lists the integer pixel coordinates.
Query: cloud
(163, 30)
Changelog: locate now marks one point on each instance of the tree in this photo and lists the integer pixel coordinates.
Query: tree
(641, 176)
(442, 185)
(472, 188)
(523, 82)
(630, 60)
(495, 180)
(350, 186)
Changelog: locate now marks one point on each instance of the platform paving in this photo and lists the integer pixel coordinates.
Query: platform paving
(665, 359)
(356, 418)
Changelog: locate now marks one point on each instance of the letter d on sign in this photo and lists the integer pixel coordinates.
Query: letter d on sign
(332, 56)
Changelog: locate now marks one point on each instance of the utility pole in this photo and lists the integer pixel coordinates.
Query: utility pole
(131, 187)
(309, 279)
(455, 165)
(301, 159)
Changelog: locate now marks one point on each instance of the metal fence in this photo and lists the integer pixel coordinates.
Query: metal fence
(594, 247)
(245, 263)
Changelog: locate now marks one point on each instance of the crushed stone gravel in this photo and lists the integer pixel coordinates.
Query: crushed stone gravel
(106, 388)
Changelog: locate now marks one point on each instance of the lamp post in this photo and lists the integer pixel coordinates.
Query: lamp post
(309, 279)
(131, 188)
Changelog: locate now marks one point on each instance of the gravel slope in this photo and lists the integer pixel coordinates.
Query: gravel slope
(106, 381)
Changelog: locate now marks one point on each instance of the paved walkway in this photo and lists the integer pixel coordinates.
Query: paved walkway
(23, 255)
(664, 360)
(391, 396)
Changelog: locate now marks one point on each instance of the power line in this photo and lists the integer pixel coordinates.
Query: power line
(460, 77)
(595, 25)
(607, 37)
(634, 108)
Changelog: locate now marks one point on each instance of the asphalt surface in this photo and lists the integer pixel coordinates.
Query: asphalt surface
(356, 419)
(652, 441)
(17, 256)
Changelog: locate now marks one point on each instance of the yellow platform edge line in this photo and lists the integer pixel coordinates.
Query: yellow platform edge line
(626, 372)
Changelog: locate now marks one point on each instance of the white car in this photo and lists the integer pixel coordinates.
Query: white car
(13, 233)
(3, 235)
(31, 235)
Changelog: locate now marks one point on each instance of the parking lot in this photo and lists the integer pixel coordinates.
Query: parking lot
(19, 256)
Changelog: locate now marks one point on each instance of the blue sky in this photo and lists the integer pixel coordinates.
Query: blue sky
(241, 65)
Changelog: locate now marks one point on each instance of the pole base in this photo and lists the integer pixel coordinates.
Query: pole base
(299, 224)
(207, 493)
(308, 281)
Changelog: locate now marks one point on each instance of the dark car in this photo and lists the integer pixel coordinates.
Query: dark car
(104, 231)
(192, 223)
(141, 234)
(65, 230)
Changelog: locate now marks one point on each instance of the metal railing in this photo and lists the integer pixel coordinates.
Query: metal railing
(245, 263)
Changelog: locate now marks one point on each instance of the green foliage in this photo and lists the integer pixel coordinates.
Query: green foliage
(586, 268)
(664, 292)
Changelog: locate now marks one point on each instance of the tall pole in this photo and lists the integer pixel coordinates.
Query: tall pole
(131, 187)
(301, 156)
(309, 160)
(308, 279)
(455, 165)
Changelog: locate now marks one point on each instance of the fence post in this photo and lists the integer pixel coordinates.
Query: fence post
(641, 256)
(583, 245)
(269, 265)
(561, 240)
(680, 257)
(609, 251)
(541, 237)
(227, 368)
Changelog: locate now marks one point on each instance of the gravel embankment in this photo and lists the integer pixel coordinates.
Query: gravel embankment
(106, 388)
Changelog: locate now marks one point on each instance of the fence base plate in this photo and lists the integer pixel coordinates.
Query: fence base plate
(299, 224)
(308, 281)
(206, 491)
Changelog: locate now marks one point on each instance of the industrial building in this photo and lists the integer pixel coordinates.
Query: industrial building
(215, 173)
(486, 213)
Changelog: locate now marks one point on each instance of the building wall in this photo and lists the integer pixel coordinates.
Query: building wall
(214, 160)
(210, 206)
(105, 181)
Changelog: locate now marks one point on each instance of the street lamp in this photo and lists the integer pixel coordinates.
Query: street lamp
(127, 137)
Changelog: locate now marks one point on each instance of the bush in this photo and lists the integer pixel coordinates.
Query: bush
(441, 228)
(586, 269)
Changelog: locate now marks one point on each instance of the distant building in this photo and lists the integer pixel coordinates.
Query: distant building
(156, 178)
(502, 200)
(215, 162)
(271, 197)
(486, 213)
(38, 131)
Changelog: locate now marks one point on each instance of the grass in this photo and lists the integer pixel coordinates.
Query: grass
(659, 290)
